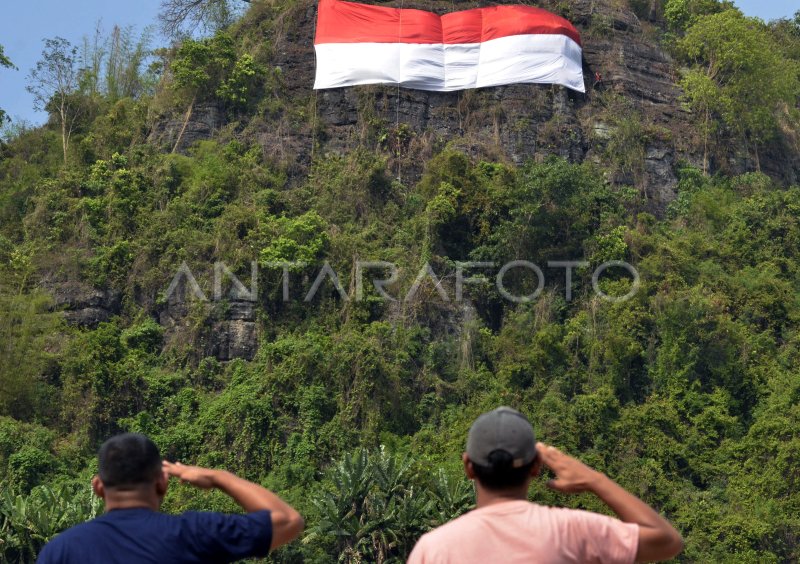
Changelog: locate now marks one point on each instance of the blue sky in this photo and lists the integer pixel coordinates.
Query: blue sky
(24, 25)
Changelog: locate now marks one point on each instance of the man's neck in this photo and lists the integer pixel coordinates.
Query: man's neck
(485, 497)
(131, 499)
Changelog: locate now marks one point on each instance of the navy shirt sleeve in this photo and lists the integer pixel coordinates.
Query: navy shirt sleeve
(228, 537)
(48, 555)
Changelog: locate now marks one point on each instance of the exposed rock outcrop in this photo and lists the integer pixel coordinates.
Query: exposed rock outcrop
(235, 336)
(513, 123)
(225, 330)
(82, 304)
(517, 122)
(201, 124)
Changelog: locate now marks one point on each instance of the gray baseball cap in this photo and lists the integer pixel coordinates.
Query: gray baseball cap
(501, 429)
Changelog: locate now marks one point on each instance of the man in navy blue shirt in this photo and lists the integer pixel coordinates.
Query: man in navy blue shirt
(132, 480)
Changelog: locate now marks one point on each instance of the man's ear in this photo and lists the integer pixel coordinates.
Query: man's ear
(536, 467)
(98, 488)
(468, 469)
(162, 482)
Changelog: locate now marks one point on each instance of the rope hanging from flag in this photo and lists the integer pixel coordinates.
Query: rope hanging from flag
(365, 44)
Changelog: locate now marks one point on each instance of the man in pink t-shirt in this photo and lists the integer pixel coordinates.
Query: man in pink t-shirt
(502, 458)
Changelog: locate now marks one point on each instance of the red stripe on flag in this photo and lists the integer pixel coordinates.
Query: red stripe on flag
(504, 21)
(460, 28)
(350, 22)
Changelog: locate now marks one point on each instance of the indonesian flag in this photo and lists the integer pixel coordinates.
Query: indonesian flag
(364, 44)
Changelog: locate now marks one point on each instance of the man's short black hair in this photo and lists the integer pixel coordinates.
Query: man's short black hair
(128, 460)
(500, 474)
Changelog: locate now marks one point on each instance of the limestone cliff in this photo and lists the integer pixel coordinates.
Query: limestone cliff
(633, 123)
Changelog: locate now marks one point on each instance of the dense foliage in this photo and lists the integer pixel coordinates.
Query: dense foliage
(741, 81)
(4, 62)
(356, 410)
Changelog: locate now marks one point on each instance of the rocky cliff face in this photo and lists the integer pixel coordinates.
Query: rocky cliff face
(82, 304)
(514, 123)
(200, 124)
(517, 122)
(525, 121)
(229, 330)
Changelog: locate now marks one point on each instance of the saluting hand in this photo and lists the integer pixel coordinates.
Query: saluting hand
(194, 475)
(572, 475)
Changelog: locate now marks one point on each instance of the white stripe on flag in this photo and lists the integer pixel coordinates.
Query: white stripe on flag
(553, 59)
(540, 58)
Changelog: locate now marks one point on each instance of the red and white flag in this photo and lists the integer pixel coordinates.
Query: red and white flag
(365, 44)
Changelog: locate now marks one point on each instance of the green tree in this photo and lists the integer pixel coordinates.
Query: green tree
(375, 505)
(28, 333)
(54, 83)
(553, 208)
(113, 65)
(211, 68)
(126, 57)
(185, 16)
(787, 34)
(681, 14)
(739, 75)
(28, 522)
(4, 62)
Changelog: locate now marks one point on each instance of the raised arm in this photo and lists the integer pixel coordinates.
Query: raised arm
(286, 521)
(658, 539)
